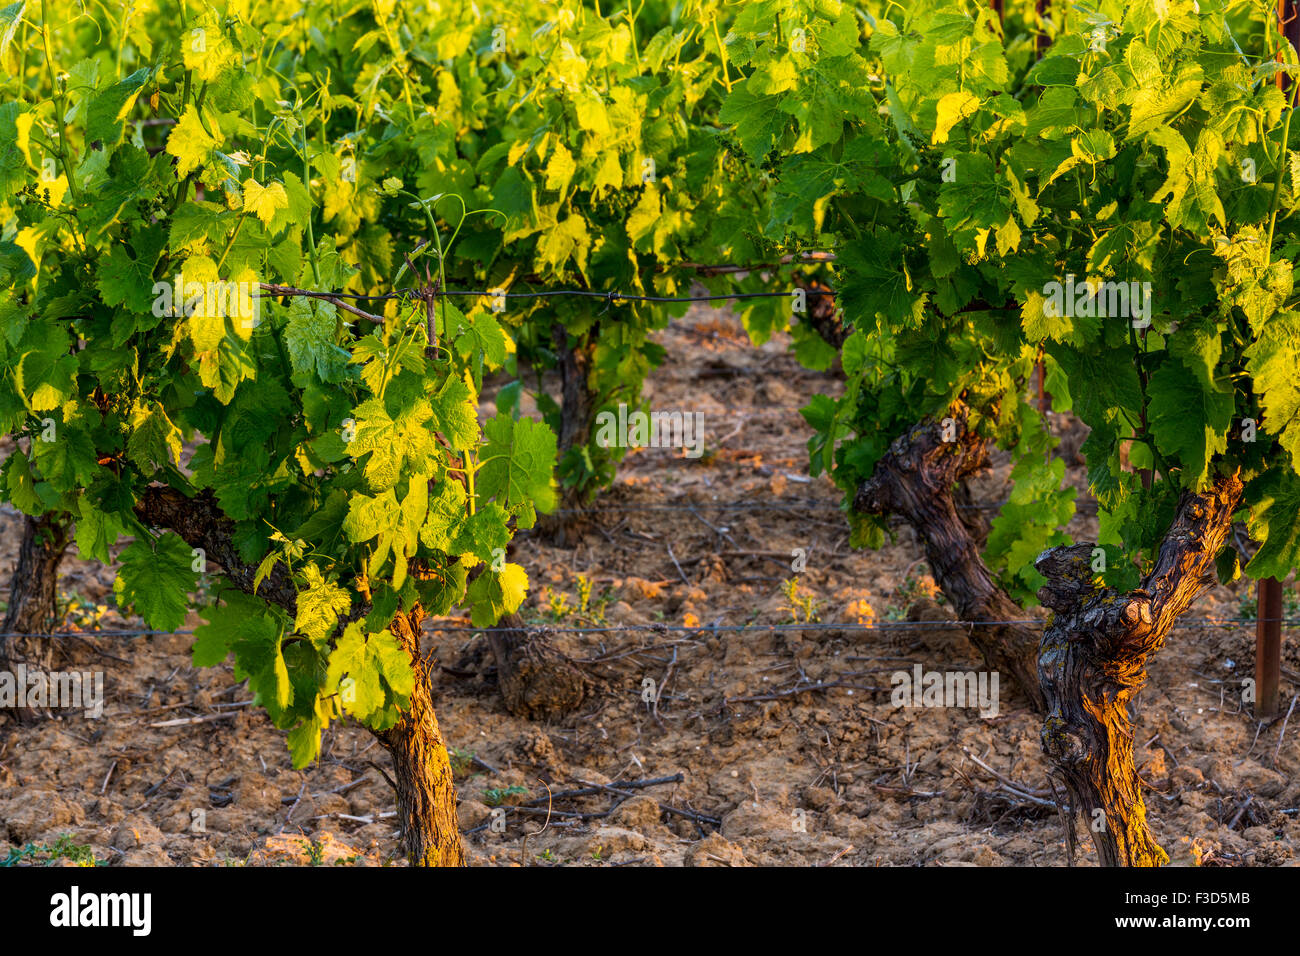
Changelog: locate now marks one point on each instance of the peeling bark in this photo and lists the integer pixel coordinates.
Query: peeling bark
(537, 681)
(1093, 661)
(426, 793)
(915, 480)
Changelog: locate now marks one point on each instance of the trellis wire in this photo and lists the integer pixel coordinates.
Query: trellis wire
(696, 629)
(611, 296)
(619, 296)
(755, 506)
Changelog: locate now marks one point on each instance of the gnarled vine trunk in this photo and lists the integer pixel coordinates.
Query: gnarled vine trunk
(1093, 661)
(426, 793)
(970, 513)
(915, 479)
(33, 592)
(537, 681)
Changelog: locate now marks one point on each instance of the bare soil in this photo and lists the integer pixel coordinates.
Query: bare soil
(789, 749)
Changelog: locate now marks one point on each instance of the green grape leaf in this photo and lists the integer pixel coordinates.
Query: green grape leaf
(238, 617)
(193, 143)
(1188, 420)
(448, 509)
(1274, 521)
(394, 444)
(1272, 361)
(362, 664)
(320, 604)
(110, 106)
(456, 415)
(493, 594)
(154, 441)
(518, 462)
(155, 578)
(485, 334)
(309, 336)
(485, 533)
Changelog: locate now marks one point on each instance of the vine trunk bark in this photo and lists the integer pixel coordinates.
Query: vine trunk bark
(1093, 662)
(426, 792)
(577, 414)
(33, 593)
(915, 480)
